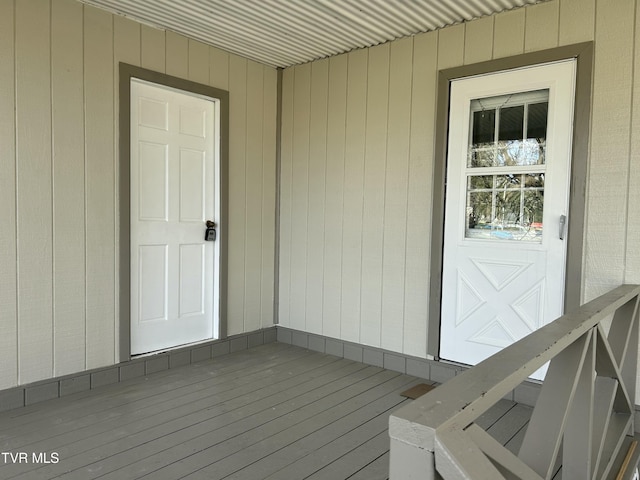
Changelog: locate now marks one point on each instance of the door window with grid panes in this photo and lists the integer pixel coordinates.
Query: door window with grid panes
(506, 167)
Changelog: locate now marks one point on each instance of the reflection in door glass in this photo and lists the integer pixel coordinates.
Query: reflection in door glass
(507, 132)
(505, 207)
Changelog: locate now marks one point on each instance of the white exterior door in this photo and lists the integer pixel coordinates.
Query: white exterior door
(174, 279)
(508, 172)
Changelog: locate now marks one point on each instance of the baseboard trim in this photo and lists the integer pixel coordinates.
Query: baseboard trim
(29, 394)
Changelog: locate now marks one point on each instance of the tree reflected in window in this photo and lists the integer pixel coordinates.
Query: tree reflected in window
(508, 142)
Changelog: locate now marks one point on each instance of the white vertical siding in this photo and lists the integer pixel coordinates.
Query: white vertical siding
(379, 159)
(253, 183)
(198, 62)
(34, 190)
(58, 195)
(67, 94)
(509, 31)
(100, 187)
(316, 228)
(423, 98)
(541, 29)
(269, 129)
(632, 263)
(577, 21)
(127, 47)
(152, 49)
(8, 239)
(219, 68)
(353, 194)
(286, 161)
(610, 143)
(374, 201)
(396, 190)
(334, 197)
(126, 41)
(300, 195)
(478, 44)
(177, 55)
(237, 193)
(451, 47)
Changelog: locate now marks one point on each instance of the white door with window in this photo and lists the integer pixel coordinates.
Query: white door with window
(506, 206)
(174, 280)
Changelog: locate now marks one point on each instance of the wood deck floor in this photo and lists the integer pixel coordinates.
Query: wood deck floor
(271, 412)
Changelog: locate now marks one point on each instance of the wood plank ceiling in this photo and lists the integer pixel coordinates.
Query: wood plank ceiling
(281, 33)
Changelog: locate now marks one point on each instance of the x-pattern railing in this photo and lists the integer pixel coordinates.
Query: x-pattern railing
(583, 414)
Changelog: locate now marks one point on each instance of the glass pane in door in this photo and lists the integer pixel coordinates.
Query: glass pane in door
(506, 167)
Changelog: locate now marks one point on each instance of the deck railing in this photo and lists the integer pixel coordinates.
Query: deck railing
(582, 419)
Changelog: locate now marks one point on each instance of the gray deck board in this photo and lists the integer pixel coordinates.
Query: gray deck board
(332, 451)
(176, 403)
(119, 395)
(376, 470)
(274, 411)
(350, 463)
(194, 420)
(194, 444)
(305, 438)
(78, 439)
(494, 414)
(515, 442)
(510, 423)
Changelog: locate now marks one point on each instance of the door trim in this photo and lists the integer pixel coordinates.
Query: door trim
(126, 72)
(583, 52)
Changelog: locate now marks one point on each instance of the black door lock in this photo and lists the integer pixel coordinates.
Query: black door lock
(210, 232)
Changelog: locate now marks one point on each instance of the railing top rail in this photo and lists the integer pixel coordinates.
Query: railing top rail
(462, 399)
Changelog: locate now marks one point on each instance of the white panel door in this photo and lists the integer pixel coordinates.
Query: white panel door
(506, 204)
(173, 194)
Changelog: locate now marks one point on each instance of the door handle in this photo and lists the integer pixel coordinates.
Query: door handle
(563, 226)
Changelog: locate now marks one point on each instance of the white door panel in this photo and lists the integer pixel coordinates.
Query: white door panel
(173, 270)
(507, 189)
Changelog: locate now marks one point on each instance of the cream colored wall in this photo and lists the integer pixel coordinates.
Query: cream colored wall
(58, 169)
(357, 159)
(355, 163)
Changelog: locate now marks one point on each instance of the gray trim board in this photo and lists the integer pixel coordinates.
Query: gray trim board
(270, 335)
(316, 343)
(42, 392)
(127, 72)
(276, 274)
(583, 52)
(72, 385)
(238, 344)
(138, 367)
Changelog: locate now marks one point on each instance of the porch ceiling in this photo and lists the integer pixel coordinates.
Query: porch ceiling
(282, 33)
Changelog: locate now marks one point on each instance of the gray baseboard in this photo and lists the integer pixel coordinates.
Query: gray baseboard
(137, 367)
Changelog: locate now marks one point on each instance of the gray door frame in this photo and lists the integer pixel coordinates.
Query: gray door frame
(127, 72)
(583, 52)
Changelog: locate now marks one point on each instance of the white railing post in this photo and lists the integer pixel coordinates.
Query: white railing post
(409, 461)
(588, 399)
